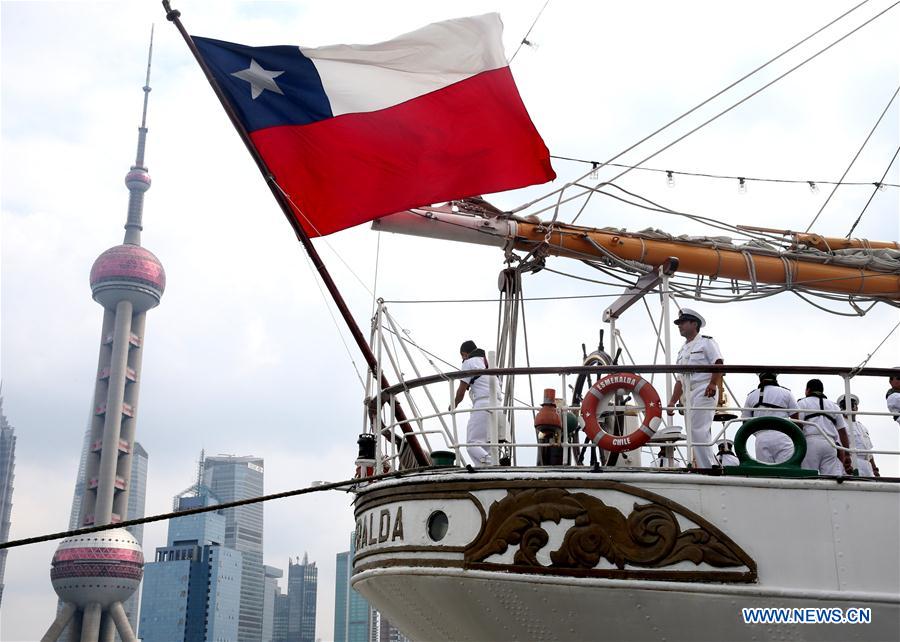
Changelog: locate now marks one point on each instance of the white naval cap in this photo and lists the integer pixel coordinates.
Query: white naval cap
(853, 399)
(686, 314)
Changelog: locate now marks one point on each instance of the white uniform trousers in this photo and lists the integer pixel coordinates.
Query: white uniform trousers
(478, 431)
(773, 447)
(821, 456)
(864, 467)
(702, 410)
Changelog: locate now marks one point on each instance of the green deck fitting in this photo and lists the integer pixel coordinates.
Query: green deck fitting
(750, 467)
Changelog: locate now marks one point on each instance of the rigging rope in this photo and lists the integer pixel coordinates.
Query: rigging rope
(701, 104)
(871, 354)
(320, 235)
(858, 152)
(334, 320)
(872, 195)
(748, 97)
(346, 485)
(748, 179)
(528, 33)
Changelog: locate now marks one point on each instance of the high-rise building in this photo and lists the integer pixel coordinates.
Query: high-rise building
(387, 632)
(270, 590)
(354, 619)
(7, 476)
(192, 588)
(280, 618)
(93, 575)
(302, 592)
(231, 479)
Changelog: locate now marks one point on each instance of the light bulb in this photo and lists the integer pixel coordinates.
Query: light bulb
(881, 186)
(530, 43)
(813, 187)
(594, 167)
(742, 185)
(670, 178)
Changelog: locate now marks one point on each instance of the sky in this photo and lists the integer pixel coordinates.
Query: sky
(243, 357)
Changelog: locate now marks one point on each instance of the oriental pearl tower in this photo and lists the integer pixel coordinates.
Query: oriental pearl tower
(93, 574)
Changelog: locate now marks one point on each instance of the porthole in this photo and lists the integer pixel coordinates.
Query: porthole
(437, 525)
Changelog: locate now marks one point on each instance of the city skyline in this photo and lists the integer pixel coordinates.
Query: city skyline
(353, 615)
(192, 589)
(241, 345)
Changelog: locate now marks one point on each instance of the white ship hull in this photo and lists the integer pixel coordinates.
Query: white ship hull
(563, 555)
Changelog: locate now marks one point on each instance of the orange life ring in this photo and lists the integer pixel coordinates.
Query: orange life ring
(601, 391)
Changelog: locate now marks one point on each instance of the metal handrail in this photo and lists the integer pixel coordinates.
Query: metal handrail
(653, 369)
(453, 442)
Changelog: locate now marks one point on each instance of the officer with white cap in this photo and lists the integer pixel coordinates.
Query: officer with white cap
(864, 463)
(698, 350)
(769, 399)
(893, 395)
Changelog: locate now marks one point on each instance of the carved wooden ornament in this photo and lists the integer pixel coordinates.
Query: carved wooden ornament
(642, 545)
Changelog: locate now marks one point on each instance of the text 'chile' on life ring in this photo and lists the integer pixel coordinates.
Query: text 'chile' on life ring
(598, 397)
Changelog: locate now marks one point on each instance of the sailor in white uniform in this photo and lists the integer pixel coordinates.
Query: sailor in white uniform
(698, 350)
(864, 463)
(825, 414)
(479, 387)
(769, 399)
(893, 397)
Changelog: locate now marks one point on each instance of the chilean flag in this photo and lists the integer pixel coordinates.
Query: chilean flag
(354, 132)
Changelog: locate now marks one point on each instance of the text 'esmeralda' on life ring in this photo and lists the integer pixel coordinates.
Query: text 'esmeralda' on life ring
(599, 395)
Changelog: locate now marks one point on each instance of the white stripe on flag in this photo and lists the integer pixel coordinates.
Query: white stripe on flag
(362, 78)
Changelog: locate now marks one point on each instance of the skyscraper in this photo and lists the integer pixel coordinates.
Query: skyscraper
(233, 478)
(270, 590)
(192, 589)
(280, 619)
(302, 592)
(387, 632)
(93, 576)
(7, 475)
(354, 619)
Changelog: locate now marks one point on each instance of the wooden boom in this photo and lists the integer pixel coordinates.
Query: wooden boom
(744, 264)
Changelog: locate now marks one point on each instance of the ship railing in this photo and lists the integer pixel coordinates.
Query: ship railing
(445, 427)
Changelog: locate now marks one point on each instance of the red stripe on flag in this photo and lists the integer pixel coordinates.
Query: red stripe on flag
(471, 138)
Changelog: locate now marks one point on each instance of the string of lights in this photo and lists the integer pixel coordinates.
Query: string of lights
(741, 180)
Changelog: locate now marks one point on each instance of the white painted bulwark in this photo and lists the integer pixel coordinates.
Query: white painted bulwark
(548, 555)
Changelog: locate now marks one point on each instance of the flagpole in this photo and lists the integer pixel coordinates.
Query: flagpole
(174, 16)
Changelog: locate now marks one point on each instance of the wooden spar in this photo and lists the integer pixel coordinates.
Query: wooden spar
(583, 242)
(173, 15)
(826, 243)
(831, 243)
(718, 262)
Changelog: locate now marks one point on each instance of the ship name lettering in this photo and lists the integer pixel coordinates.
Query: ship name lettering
(389, 527)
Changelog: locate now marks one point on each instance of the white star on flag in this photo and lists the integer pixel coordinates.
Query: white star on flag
(260, 79)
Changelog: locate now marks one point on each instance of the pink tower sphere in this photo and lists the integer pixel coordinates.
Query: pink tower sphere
(102, 568)
(128, 272)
